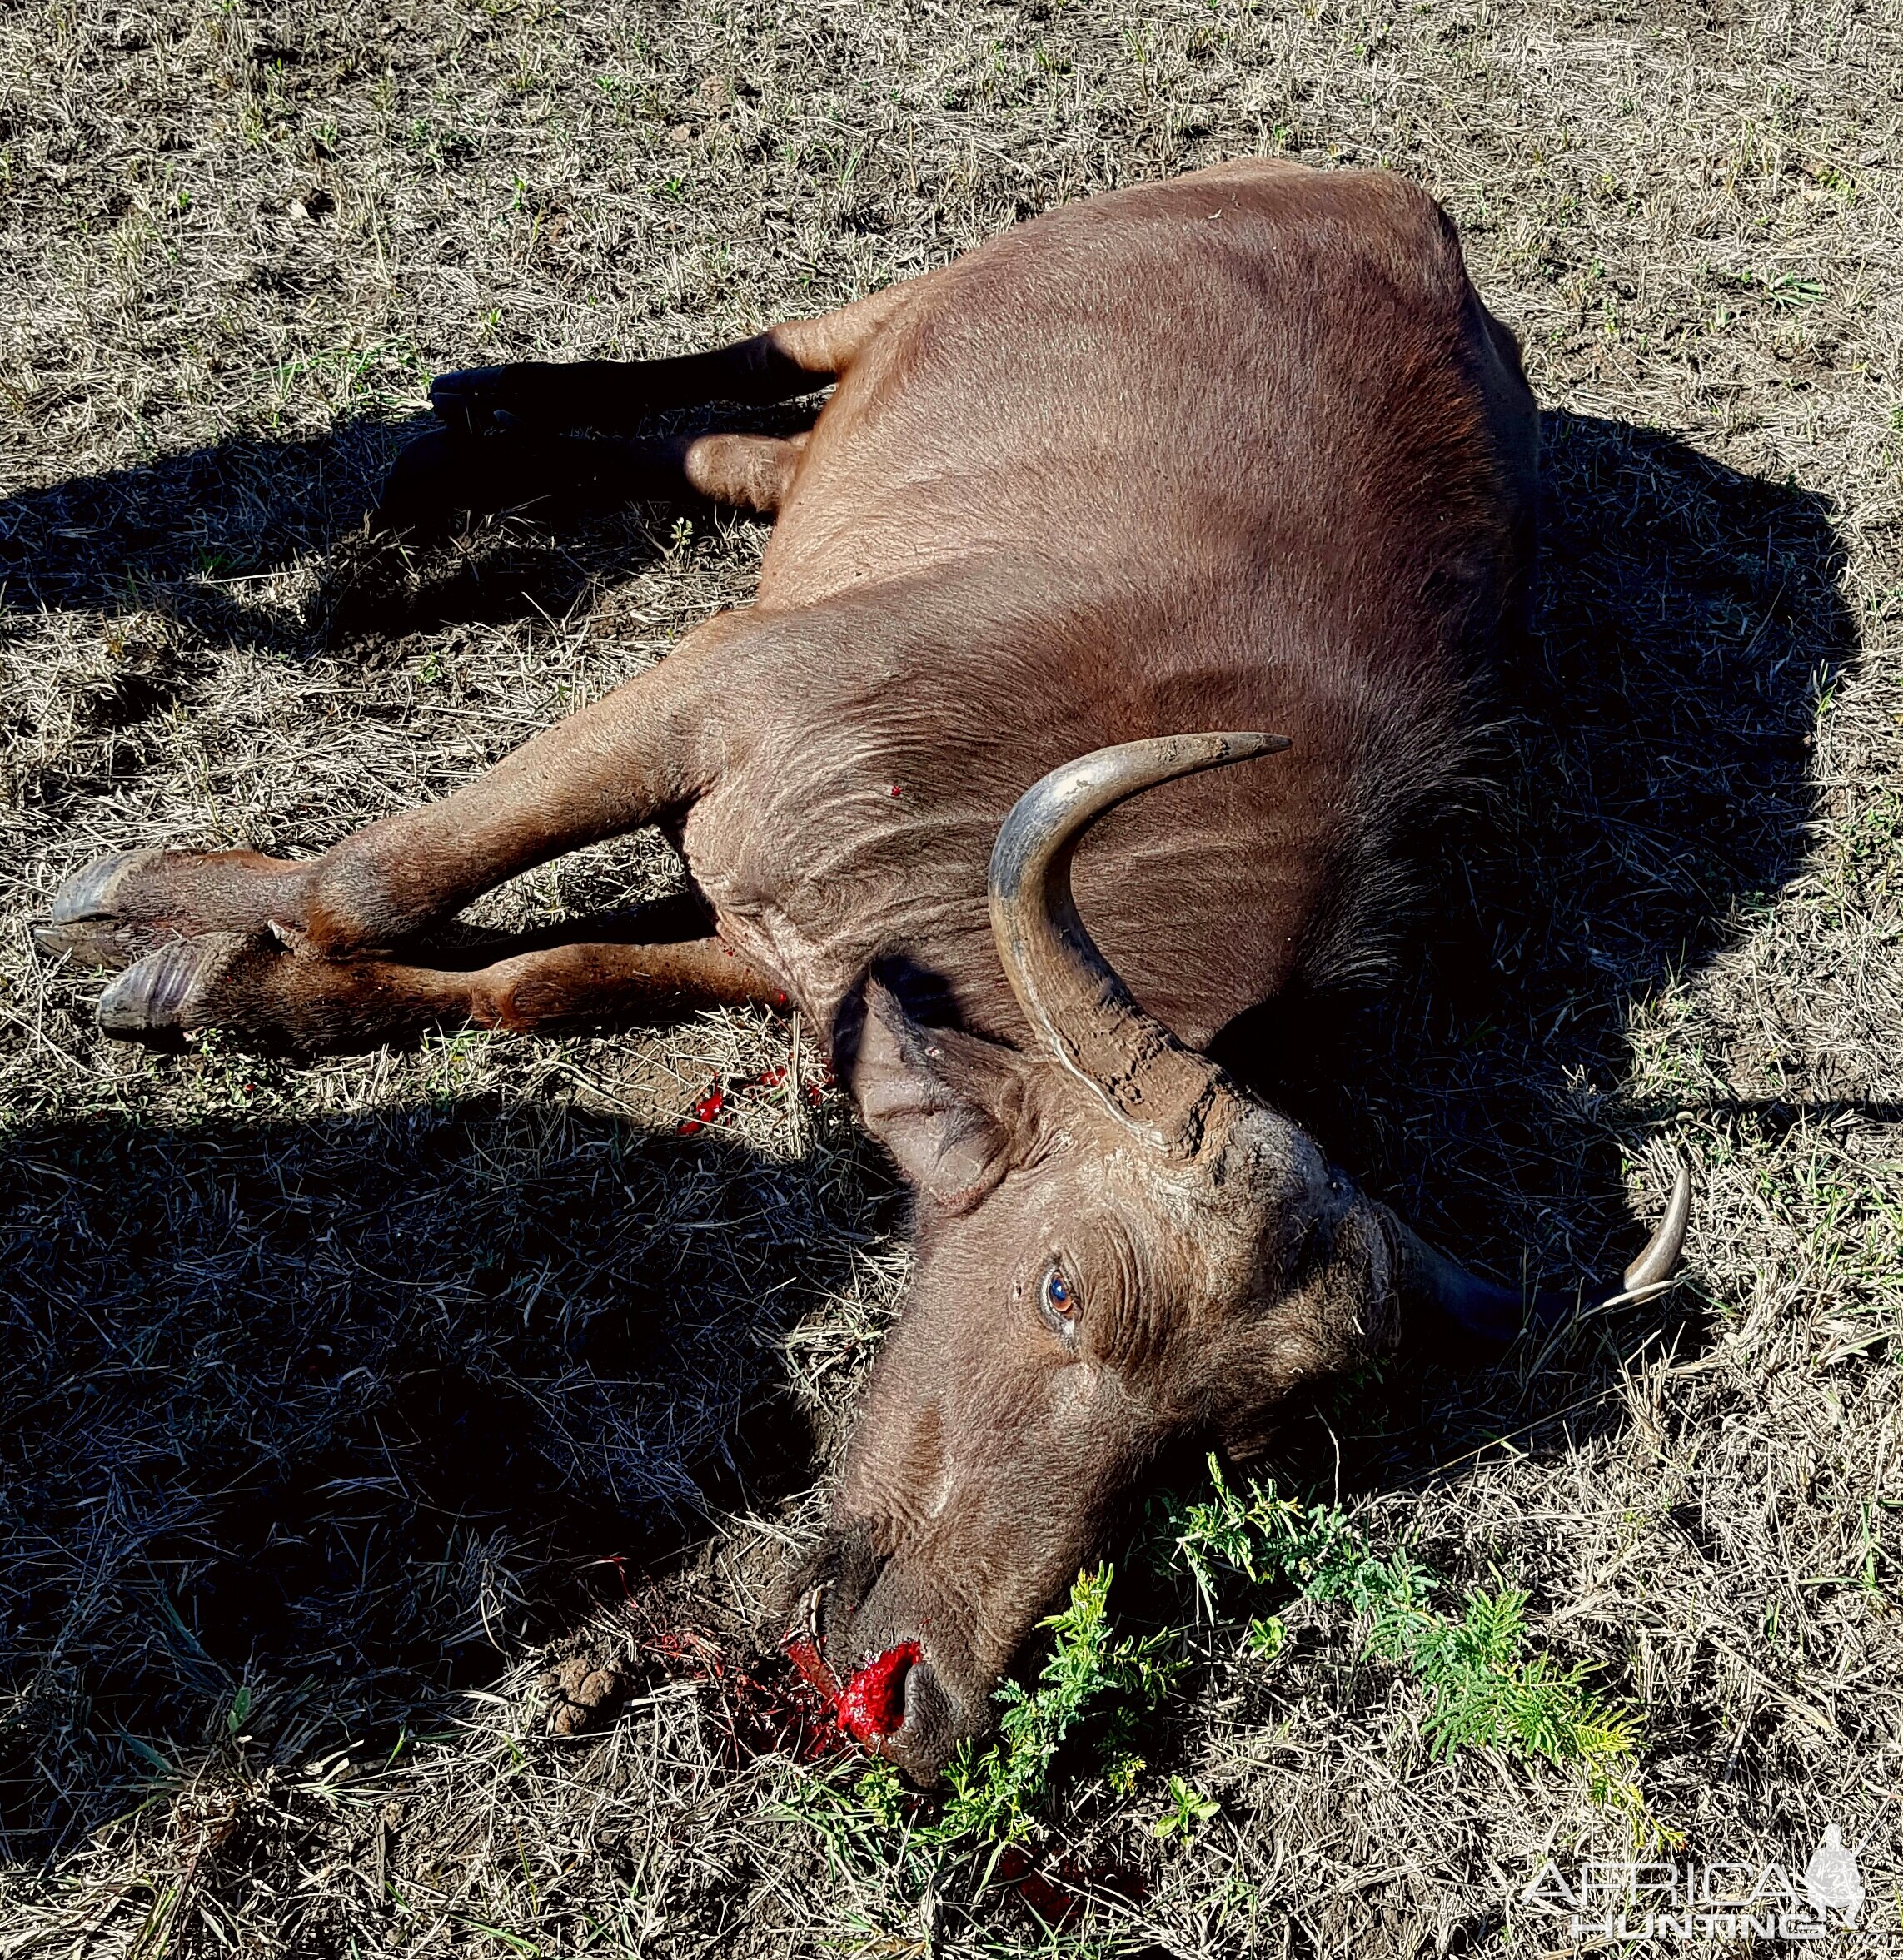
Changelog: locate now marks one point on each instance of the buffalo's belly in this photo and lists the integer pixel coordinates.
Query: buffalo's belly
(1043, 516)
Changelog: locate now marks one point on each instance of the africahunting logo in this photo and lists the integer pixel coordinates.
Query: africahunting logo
(1629, 1902)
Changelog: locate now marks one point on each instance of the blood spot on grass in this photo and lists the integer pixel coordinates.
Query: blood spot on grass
(705, 1111)
(756, 1706)
(712, 1103)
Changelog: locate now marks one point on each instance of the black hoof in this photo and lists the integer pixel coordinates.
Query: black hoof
(87, 894)
(552, 395)
(155, 998)
(511, 467)
(86, 925)
(426, 486)
(467, 401)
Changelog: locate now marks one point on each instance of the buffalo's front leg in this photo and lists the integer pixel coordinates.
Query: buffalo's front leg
(281, 996)
(198, 933)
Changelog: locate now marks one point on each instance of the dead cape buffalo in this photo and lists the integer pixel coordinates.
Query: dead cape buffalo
(1239, 452)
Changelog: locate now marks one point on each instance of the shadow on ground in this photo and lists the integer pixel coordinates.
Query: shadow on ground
(351, 1403)
(177, 534)
(1654, 793)
(340, 1413)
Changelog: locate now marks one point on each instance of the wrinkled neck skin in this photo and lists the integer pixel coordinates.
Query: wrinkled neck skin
(995, 1447)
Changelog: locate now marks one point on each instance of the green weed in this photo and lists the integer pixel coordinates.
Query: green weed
(1092, 1674)
(1092, 1695)
(1188, 1808)
(1485, 1689)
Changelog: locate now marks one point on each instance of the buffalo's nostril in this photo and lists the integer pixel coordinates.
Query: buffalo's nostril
(928, 1730)
(927, 1714)
(874, 1702)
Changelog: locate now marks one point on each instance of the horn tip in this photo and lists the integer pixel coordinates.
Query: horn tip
(1660, 1259)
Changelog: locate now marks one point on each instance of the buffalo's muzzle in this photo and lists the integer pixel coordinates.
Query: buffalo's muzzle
(874, 1664)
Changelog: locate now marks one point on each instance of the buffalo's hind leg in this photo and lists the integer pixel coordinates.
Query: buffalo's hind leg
(504, 444)
(515, 467)
(792, 359)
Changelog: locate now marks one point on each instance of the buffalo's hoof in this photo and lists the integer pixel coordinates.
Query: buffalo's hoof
(427, 484)
(467, 398)
(85, 924)
(87, 894)
(160, 998)
(469, 401)
(511, 467)
(119, 910)
(515, 466)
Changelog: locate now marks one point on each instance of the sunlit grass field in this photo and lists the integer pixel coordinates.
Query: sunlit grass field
(399, 1457)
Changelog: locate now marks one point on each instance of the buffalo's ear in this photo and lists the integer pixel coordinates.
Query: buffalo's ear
(951, 1108)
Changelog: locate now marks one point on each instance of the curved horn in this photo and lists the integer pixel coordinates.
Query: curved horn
(1070, 993)
(1497, 1313)
(1660, 1259)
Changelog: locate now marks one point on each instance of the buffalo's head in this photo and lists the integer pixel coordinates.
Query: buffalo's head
(1119, 1248)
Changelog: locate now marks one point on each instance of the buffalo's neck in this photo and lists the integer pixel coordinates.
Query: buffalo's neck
(886, 734)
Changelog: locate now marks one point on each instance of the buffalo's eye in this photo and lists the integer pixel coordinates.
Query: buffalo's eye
(1057, 1302)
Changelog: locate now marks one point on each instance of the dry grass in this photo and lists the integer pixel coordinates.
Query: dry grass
(339, 1402)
